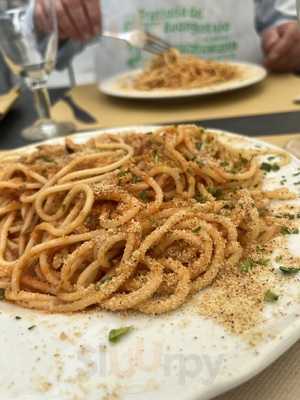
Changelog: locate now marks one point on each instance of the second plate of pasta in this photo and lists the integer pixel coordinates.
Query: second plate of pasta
(179, 76)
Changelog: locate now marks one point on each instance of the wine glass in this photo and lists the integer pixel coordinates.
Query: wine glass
(28, 41)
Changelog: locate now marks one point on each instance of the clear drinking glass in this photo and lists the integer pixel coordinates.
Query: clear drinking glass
(28, 41)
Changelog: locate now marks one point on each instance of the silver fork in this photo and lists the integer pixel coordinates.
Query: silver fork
(142, 40)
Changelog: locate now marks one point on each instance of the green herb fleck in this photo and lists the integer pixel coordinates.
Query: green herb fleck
(115, 335)
(297, 183)
(47, 159)
(144, 196)
(199, 145)
(263, 261)
(103, 280)
(288, 216)
(2, 294)
(278, 259)
(289, 271)
(271, 158)
(200, 163)
(224, 164)
(122, 173)
(17, 318)
(269, 167)
(289, 231)
(200, 198)
(271, 297)
(156, 156)
(296, 174)
(197, 230)
(247, 265)
(136, 179)
(239, 165)
(32, 327)
(149, 133)
(216, 192)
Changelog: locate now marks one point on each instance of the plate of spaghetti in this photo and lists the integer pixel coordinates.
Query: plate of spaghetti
(173, 74)
(146, 263)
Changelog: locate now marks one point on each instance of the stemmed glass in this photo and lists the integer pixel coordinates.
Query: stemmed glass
(28, 41)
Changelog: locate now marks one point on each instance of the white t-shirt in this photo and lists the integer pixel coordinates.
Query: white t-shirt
(222, 29)
(217, 29)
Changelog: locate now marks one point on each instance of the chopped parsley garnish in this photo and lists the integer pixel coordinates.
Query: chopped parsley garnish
(144, 196)
(239, 165)
(18, 318)
(199, 145)
(200, 163)
(115, 335)
(263, 261)
(197, 230)
(32, 327)
(289, 271)
(296, 174)
(216, 192)
(2, 294)
(271, 297)
(267, 167)
(247, 265)
(136, 179)
(224, 164)
(297, 183)
(102, 281)
(200, 198)
(271, 158)
(278, 259)
(122, 173)
(289, 231)
(288, 216)
(149, 133)
(47, 159)
(259, 248)
(156, 156)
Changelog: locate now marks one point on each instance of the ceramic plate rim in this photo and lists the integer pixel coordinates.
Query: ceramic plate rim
(110, 87)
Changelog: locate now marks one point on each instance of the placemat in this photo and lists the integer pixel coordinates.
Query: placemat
(275, 94)
(281, 381)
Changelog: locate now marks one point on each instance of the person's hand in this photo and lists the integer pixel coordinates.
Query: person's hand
(281, 46)
(77, 19)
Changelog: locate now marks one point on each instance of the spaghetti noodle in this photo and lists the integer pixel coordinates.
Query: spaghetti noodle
(130, 221)
(173, 70)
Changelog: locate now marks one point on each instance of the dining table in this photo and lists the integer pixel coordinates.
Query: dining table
(267, 111)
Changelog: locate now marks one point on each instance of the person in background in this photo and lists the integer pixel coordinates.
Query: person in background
(221, 29)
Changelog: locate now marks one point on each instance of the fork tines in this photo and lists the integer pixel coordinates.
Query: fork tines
(155, 44)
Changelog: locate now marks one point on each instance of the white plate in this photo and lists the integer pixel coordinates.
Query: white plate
(67, 357)
(251, 74)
